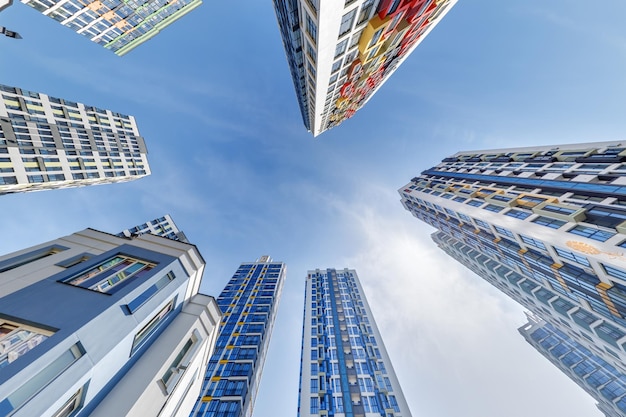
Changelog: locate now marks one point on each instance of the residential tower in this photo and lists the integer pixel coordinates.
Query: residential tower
(48, 143)
(250, 304)
(545, 225)
(345, 369)
(340, 52)
(99, 325)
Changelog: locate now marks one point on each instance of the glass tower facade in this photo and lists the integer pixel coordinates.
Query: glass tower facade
(345, 368)
(119, 26)
(604, 382)
(48, 143)
(543, 224)
(249, 303)
(340, 53)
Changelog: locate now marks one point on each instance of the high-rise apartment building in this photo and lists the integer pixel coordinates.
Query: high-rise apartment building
(163, 226)
(48, 143)
(345, 369)
(543, 224)
(99, 325)
(117, 25)
(250, 304)
(602, 381)
(340, 52)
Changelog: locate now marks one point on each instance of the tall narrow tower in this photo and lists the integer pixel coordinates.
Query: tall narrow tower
(345, 368)
(48, 143)
(547, 226)
(340, 52)
(117, 25)
(249, 303)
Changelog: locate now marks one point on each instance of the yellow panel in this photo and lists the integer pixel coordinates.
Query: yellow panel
(223, 361)
(12, 102)
(216, 378)
(229, 347)
(74, 114)
(560, 279)
(34, 107)
(6, 164)
(206, 398)
(31, 165)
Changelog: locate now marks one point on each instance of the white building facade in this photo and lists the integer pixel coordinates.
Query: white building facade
(95, 324)
(162, 226)
(345, 369)
(48, 143)
(340, 52)
(543, 224)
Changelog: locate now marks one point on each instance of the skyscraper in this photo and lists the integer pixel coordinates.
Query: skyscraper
(163, 226)
(341, 52)
(117, 25)
(48, 143)
(249, 303)
(543, 224)
(95, 324)
(603, 382)
(345, 369)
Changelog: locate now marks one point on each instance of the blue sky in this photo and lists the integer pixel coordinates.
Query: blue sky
(234, 166)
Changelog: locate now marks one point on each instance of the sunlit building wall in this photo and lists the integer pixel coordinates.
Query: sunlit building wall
(119, 26)
(543, 224)
(48, 143)
(340, 52)
(591, 372)
(99, 325)
(345, 369)
(250, 304)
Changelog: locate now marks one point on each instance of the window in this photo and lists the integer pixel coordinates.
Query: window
(314, 386)
(592, 233)
(29, 257)
(558, 209)
(615, 272)
(39, 381)
(151, 327)
(534, 242)
(73, 404)
(75, 260)
(504, 231)
(311, 52)
(493, 207)
(315, 405)
(341, 48)
(111, 275)
(336, 66)
(346, 22)
(180, 362)
(16, 339)
(572, 256)
(518, 214)
(142, 298)
(366, 9)
(549, 222)
(311, 28)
